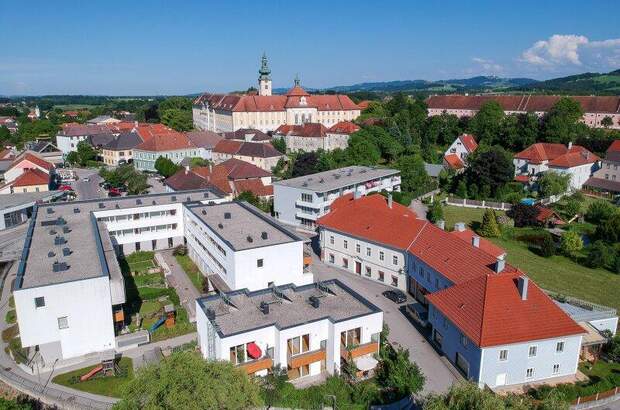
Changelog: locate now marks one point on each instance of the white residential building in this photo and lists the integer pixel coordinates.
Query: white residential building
(237, 247)
(306, 330)
(311, 137)
(302, 200)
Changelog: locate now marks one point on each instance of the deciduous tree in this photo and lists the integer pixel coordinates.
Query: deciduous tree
(165, 167)
(553, 183)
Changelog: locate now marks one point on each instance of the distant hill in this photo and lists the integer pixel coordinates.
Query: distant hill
(586, 83)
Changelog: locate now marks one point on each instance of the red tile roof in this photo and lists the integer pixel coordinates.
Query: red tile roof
(574, 159)
(344, 127)
(238, 169)
(247, 149)
(269, 103)
(484, 244)
(614, 147)
(297, 91)
(32, 176)
(34, 160)
(170, 141)
(370, 217)
(363, 104)
(488, 309)
(469, 142)
(542, 151)
(309, 130)
(524, 179)
(544, 214)
(454, 161)
(227, 147)
(254, 186)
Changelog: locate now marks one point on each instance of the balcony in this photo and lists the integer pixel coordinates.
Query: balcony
(305, 358)
(359, 350)
(305, 215)
(315, 205)
(253, 366)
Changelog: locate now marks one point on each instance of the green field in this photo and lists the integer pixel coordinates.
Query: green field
(192, 271)
(106, 386)
(74, 107)
(557, 273)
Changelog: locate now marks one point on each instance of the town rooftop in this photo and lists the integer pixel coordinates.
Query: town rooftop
(337, 178)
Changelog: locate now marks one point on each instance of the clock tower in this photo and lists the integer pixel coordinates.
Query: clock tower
(264, 78)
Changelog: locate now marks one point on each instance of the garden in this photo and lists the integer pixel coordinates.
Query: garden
(10, 335)
(110, 385)
(190, 268)
(147, 294)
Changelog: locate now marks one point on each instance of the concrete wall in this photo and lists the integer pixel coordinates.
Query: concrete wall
(87, 306)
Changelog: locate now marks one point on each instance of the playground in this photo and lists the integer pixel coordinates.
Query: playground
(97, 380)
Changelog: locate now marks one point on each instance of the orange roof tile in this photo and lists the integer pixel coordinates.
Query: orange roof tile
(574, 158)
(344, 127)
(469, 142)
(32, 176)
(170, 141)
(486, 245)
(33, 159)
(453, 161)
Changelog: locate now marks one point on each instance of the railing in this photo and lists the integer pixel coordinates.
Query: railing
(305, 358)
(253, 366)
(359, 350)
(598, 311)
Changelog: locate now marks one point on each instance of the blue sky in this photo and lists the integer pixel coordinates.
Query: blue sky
(177, 47)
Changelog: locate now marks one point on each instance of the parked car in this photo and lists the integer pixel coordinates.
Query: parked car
(417, 312)
(86, 179)
(65, 188)
(395, 295)
(114, 192)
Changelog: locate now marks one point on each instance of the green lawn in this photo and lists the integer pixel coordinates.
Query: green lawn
(560, 274)
(471, 216)
(192, 271)
(106, 386)
(139, 262)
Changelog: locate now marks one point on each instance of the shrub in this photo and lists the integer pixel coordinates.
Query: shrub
(523, 215)
(547, 247)
(489, 227)
(180, 250)
(600, 255)
(599, 211)
(435, 212)
(571, 243)
(10, 317)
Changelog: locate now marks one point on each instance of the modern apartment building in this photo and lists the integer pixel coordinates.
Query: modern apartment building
(69, 292)
(237, 246)
(301, 201)
(305, 330)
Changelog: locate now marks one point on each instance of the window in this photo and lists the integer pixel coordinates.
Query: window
(259, 263)
(39, 302)
(394, 281)
(381, 256)
(381, 276)
(331, 240)
(394, 260)
(345, 263)
(464, 340)
(345, 244)
(529, 373)
(556, 368)
(298, 345)
(358, 249)
(331, 258)
(63, 322)
(368, 252)
(559, 347)
(532, 351)
(368, 271)
(503, 355)
(350, 338)
(306, 197)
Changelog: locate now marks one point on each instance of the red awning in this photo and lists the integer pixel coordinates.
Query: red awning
(253, 350)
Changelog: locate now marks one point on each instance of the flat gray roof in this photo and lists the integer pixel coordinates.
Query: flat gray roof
(337, 178)
(91, 253)
(15, 200)
(243, 226)
(289, 306)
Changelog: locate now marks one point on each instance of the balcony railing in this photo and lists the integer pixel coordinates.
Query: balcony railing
(253, 366)
(305, 358)
(359, 350)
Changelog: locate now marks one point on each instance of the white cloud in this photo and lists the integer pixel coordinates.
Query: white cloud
(561, 49)
(489, 66)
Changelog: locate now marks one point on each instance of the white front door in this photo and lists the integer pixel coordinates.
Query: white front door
(500, 380)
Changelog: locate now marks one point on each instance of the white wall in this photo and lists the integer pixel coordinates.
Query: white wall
(86, 304)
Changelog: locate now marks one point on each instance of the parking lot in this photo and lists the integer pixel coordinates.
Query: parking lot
(440, 374)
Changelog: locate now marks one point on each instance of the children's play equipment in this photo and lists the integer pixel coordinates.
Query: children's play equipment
(107, 366)
(168, 317)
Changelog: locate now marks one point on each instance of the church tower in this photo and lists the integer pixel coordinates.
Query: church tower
(264, 78)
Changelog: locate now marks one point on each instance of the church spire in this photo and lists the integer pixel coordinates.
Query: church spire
(297, 81)
(264, 78)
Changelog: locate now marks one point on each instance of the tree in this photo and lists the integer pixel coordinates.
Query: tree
(435, 212)
(607, 121)
(198, 162)
(177, 119)
(609, 229)
(137, 183)
(572, 207)
(184, 380)
(399, 375)
(600, 255)
(599, 211)
(562, 122)
(175, 103)
(85, 153)
(362, 151)
(5, 134)
(490, 166)
(523, 215)
(461, 189)
(165, 167)
(272, 386)
(249, 197)
(553, 183)
(305, 164)
(489, 228)
(571, 244)
(279, 144)
(547, 245)
(413, 175)
(486, 124)
(72, 158)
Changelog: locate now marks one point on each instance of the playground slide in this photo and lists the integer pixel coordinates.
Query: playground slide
(91, 373)
(157, 324)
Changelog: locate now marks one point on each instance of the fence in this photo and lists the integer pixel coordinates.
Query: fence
(587, 402)
(500, 206)
(51, 395)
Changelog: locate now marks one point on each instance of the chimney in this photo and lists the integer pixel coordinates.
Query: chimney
(186, 169)
(475, 241)
(357, 194)
(390, 201)
(441, 224)
(500, 264)
(459, 226)
(570, 145)
(522, 283)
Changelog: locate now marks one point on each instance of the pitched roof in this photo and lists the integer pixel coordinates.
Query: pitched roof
(469, 142)
(257, 149)
(250, 133)
(344, 127)
(238, 169)
(147, 131)
(308, 130)
(32, 176)
(184, 180)
(370, 217)
(230, 147)
(541, 151)
(72, 129)
(574, 159)
(166, 142)
(254, 186)
(204, 139)
(33, 159)
(614, 147)
(125, 140)
(454, 161)
(489, 247)
(363, 104)
(489, 310)
(271, 103)
(545, 214)
(604, 184)
(524, 179)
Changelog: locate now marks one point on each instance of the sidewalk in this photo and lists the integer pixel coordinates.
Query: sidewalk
(178, 279)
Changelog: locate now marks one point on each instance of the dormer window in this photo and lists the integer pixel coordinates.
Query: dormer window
(302, 101)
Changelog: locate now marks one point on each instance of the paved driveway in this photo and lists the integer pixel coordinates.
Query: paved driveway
(88, 189)
(439, 374)
(182, 284)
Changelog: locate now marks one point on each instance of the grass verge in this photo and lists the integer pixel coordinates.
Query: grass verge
(192, 271)
(104, 385)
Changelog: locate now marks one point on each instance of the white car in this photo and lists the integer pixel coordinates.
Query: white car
(86, 179)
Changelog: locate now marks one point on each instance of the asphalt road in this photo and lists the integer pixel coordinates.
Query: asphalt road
(88, 189)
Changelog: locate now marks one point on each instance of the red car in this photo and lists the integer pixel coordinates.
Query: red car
(65, 188)
(114, 192)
